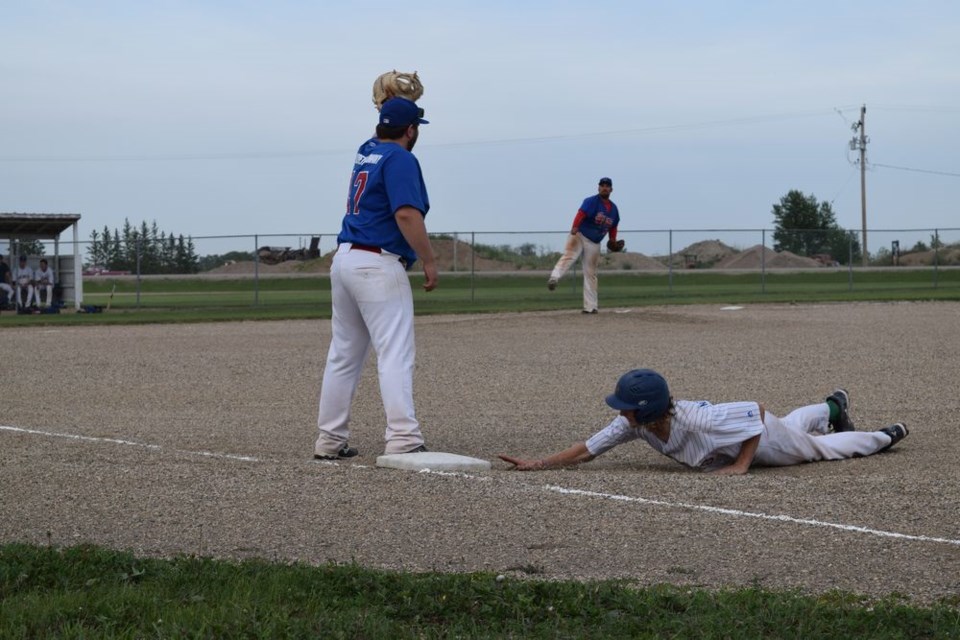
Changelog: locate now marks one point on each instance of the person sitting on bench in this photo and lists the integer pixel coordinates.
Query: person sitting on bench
(24, 278)
(43, 281)
(6, 283)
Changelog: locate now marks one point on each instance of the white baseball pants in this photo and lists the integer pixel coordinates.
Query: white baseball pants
(20, 289)
(40, 288)
(802, 436)
(372, 307)
(577, 244)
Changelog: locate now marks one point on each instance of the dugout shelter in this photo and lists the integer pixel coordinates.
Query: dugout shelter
(18, 228)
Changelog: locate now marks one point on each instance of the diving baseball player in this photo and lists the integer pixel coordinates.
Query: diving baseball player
(724, 439)
(382, 235)
(597, 217)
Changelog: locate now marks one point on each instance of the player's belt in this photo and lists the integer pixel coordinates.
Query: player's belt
(372, 249)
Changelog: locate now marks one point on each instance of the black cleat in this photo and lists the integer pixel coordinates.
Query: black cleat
(841, 398)
(592, 311)
(421, 449)
(551, 284)
(897, 432)
(346, 451)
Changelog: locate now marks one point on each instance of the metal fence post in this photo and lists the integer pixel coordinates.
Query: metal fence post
(473, 265)
(138, 245)
(850, 261)
(936, 258)
(670, 260)
(256, 271)
(763, 261)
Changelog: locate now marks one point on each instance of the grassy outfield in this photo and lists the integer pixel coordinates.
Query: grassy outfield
(89, 592)
(194, 299)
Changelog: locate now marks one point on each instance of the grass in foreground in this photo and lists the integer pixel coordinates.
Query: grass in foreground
(90, 592)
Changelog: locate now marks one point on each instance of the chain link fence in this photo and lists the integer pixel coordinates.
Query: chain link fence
(266, 269)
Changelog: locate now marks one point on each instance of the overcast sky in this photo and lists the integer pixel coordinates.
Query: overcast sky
(240, 117)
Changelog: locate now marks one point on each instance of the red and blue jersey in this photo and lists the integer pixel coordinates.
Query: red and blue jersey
(595, 220)
(385, 178)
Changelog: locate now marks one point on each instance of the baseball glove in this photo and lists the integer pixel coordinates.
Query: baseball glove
(396, 84)
(615, 245)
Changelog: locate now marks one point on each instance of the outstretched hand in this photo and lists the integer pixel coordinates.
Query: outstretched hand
(731, 470)
(519, 464)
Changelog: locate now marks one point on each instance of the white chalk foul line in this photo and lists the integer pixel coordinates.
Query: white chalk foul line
(707, 508)
(551, 488)
(749, 514)
(129, 443)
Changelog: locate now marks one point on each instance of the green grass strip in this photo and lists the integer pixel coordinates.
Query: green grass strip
(91, 592)
(176, 300)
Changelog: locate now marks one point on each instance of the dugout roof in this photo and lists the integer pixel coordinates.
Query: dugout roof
(36, 225)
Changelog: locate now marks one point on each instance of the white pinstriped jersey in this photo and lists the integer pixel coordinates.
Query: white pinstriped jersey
(702, 435)
(43, 277)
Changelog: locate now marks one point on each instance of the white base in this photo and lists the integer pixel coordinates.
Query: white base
(432, 461)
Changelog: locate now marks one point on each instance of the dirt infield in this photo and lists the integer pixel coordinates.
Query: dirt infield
(198, 439)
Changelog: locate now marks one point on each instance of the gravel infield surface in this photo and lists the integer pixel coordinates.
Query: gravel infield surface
(197, 439)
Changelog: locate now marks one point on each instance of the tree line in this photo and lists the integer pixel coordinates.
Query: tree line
(146, 249)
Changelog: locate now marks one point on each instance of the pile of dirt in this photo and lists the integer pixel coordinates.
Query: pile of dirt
(628, 261)
(949, 255)
(754, 256)
(706, 252)
(456, 255)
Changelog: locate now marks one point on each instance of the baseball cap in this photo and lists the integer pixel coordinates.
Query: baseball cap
(642, 390)
(606, 181)
(400, 112)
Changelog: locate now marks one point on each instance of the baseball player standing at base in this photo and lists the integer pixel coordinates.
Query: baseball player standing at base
(382, 235)
(724, 439)
(597, 217)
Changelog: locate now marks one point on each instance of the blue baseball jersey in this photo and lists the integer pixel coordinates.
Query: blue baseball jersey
(598, 220)
(385, 177)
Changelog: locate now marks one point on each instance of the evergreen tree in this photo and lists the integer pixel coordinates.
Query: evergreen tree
(807, 227)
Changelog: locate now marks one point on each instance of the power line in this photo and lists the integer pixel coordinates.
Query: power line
(649, 130)
(921, 108)
(275, 155)
(939, 173)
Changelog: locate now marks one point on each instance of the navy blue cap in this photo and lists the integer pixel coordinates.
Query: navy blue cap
(400, 112)
(644, 391)
(606, 181)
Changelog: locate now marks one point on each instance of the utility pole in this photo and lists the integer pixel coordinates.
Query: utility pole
(860, 143)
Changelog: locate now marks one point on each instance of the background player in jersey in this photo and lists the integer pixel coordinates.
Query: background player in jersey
(382, 235)
(724, 439)
(43, 284)
(24, 280)
(597, 217)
